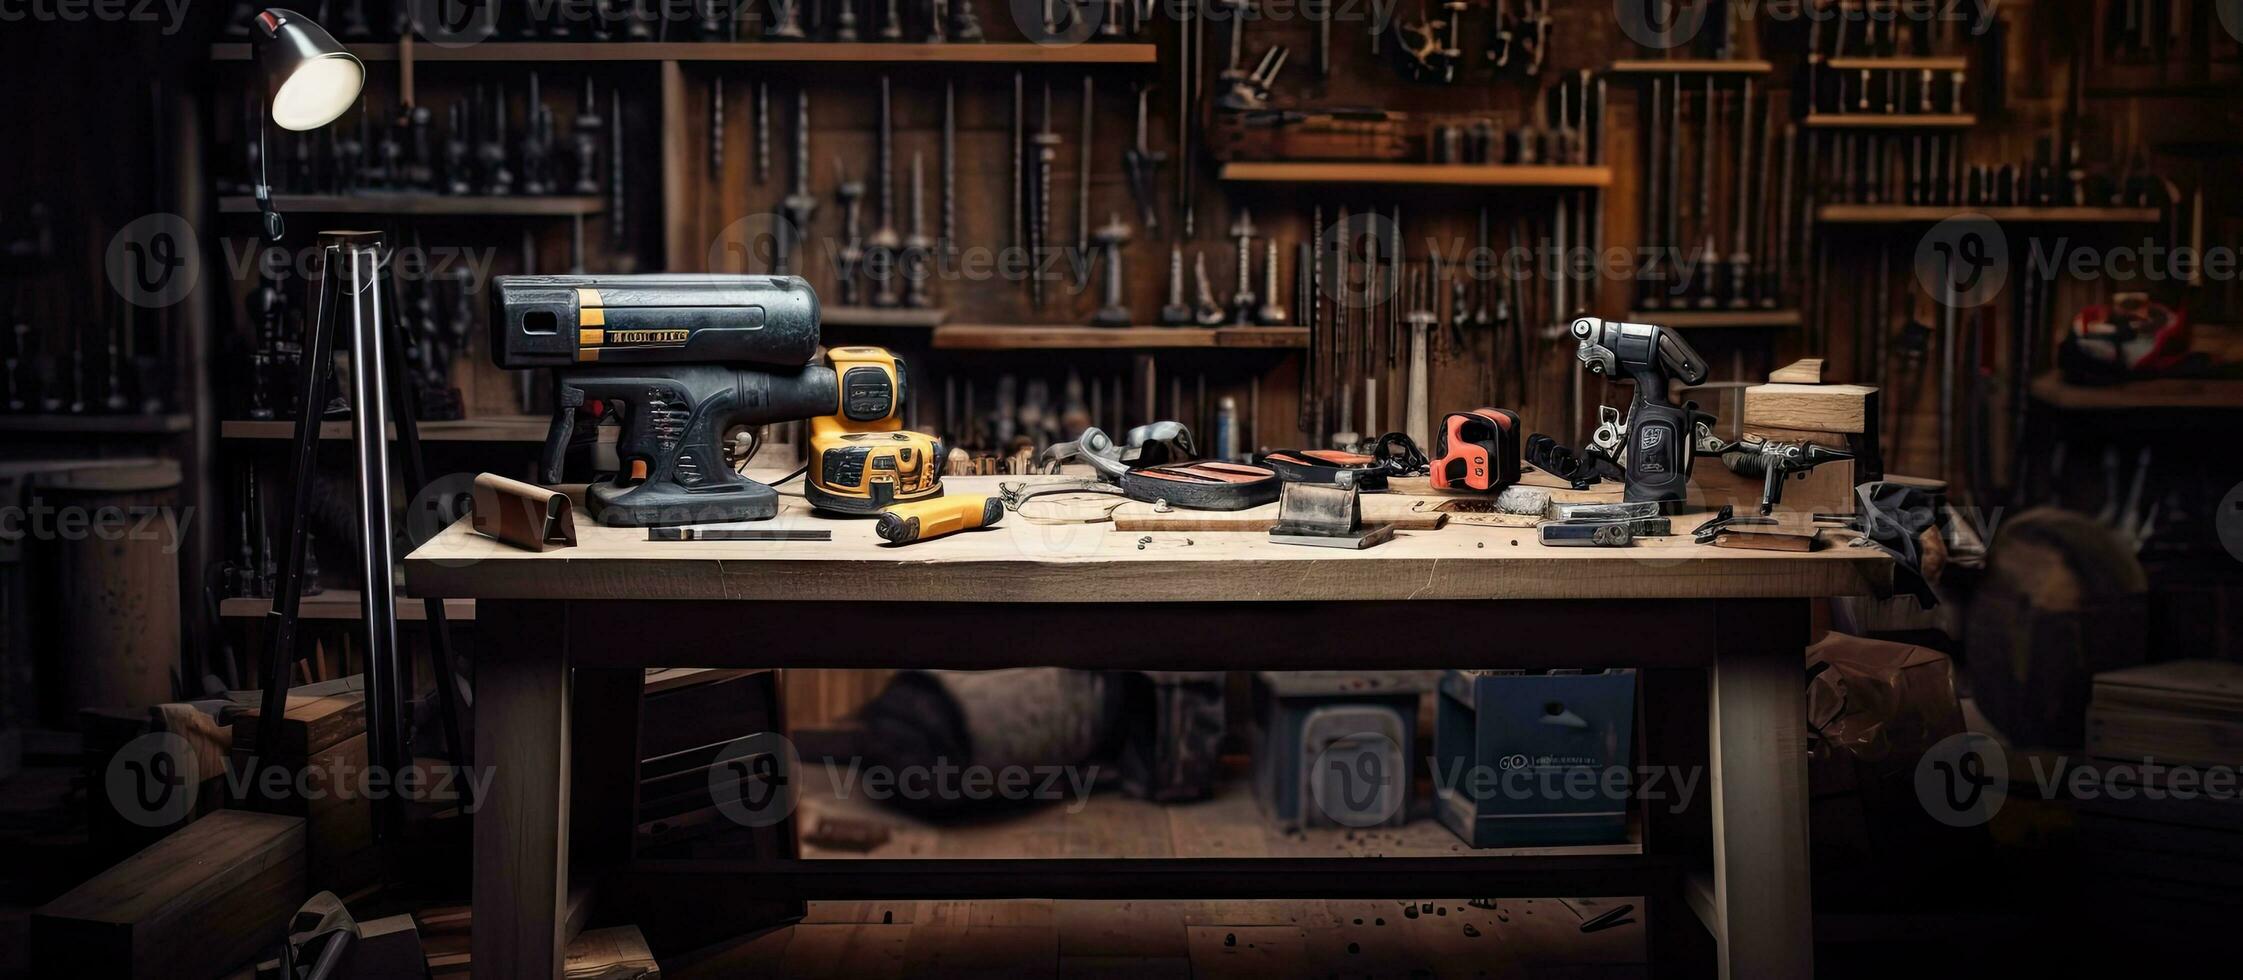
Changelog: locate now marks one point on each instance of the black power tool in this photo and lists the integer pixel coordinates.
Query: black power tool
(1659, 442)
(680, 360)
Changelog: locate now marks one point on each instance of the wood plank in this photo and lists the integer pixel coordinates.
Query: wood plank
(1421, 174)
(1921, 120)
(1690, 66)
(845, 951)
(342, 605)
(1805, 371)
(818, 52)
(195, 904)
(1824, 408)
(1719, 319)
(999, 336)
(496, 428)
(521, 826)
(1018, 561)
(1764, 923)
(1927, 213)
(1406, 513)
(2158, 394)
(422, 205)
(97, 424)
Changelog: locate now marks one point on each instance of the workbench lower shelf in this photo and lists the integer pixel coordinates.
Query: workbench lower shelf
(1111, 825)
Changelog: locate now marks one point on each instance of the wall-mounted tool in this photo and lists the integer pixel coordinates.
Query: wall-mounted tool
(1110, 239)
(1142, 165)
(799, 205)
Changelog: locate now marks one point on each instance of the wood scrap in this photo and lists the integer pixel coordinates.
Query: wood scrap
(194, 905)
(1805, 371)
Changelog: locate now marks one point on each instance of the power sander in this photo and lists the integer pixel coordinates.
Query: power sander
(680, 360)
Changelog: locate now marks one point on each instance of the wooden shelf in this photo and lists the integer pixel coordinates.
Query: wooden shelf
(1904, 120)
(1889, 214)
(810, 52)
(501, 428)
(2156, 394)
(1691, 66)
(342, 604)
(1933, 63)
(421, 204)
(1069, 337)
(875, 316)
(99, 425)
(1449, 174)
(1751, 319)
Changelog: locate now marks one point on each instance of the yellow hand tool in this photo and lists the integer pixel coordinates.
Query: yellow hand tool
(935, 517)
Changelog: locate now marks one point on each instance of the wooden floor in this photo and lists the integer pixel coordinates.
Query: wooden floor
(1259, 940)
(1266, 940)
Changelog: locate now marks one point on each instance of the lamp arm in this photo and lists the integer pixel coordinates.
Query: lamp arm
(274, 226)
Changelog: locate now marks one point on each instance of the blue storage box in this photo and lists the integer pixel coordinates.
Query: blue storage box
(1530, 760)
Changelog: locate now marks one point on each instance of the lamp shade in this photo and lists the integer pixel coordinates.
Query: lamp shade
(312, 78)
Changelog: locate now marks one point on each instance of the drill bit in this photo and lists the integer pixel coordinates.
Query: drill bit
(882, 247)
(799, 205)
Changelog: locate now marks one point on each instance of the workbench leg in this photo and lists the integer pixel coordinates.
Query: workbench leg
(1762, 893)
(522, 694)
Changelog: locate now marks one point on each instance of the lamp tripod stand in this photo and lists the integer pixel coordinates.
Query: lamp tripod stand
(352, 296)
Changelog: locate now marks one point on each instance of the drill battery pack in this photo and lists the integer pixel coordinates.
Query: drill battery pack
(862, 459)
(1477, 450)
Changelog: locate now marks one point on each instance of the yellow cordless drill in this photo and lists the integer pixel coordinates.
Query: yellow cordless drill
(861, 458)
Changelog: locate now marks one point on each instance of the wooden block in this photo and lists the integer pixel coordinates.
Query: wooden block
(1805, 371)
(339, 817)
(312, 723)
(617, 953)
(194, 905)
(1825, 408)
(387, 949)
(1766, 538)
(1826, 489)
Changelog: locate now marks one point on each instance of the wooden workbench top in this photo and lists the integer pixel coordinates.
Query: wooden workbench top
(1020, 561)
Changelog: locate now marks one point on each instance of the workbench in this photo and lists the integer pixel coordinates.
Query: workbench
(572, 629)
